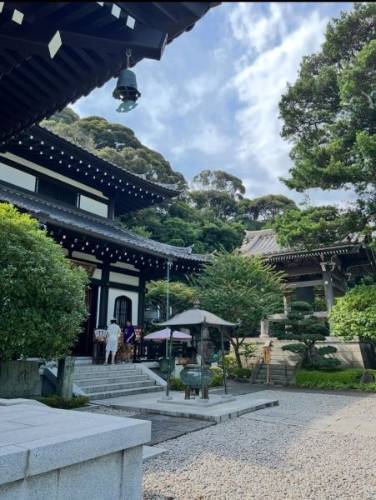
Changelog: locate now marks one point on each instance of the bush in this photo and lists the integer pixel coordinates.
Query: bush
(354, 314)
(56, 401)
(176, 384)
(42, 296)
(340, 379)
(242, 374)
(217, 377)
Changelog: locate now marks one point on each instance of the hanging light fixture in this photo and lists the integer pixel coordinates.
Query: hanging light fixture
(126, 88)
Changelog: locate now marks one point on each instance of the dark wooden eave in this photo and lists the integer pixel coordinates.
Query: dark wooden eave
(52, 53)
(82, 231)
(129, 191)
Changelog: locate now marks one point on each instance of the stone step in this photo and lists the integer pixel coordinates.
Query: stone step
(106, 371)
(112, 379)
(125, 392)
(115, 387)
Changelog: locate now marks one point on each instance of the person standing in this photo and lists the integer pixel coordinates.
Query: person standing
(112, 340)
(129, 339)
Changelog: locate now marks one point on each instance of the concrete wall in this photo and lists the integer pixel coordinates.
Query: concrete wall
(50, 454)
(19, 379)
(347, 352)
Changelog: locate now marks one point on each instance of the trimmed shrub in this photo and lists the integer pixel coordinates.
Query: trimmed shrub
(242, 374)
(56, 401)
(176, 384)
(340, 379)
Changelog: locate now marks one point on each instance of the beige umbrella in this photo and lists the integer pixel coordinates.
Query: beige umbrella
(201, 317)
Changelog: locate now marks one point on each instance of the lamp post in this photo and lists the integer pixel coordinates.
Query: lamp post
(169, 350)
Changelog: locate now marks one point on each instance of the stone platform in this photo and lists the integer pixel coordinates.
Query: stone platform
(217, 409)
(47, 453)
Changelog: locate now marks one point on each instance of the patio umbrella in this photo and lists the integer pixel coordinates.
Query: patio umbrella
(204, 318)
(165, 334)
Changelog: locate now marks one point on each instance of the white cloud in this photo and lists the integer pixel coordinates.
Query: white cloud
(261, 79)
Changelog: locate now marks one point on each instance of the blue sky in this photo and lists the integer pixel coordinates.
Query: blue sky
(212, 101)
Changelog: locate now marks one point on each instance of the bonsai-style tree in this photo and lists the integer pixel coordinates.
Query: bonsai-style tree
(302, 326)
(354, 314)
(242, 288)
(42, 297)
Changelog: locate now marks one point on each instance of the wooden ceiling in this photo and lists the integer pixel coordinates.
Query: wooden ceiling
(52, 53)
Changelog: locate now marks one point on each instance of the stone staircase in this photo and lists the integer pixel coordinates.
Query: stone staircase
(283, 364)
(279, 374)
(111, 381)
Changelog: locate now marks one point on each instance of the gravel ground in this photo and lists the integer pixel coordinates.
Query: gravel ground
(313, 446)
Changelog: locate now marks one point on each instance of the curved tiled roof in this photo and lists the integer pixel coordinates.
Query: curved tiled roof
(264, 243)
(75, 219)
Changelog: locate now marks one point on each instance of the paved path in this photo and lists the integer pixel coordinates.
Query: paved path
(313, 446)
(163, 427)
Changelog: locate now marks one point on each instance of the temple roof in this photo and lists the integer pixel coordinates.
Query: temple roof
(53, 53)
(56, 153)
(98, 228)
(264, 243)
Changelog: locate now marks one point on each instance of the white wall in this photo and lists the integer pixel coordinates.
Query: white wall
(112, 296)
(17, 177)
(124, 279)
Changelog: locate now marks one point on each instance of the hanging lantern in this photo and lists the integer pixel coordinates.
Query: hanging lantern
(126, 89)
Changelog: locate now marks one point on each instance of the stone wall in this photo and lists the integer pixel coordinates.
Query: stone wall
(20, 379)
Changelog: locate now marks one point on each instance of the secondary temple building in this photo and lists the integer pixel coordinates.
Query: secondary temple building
(77, 196)
(317, 276)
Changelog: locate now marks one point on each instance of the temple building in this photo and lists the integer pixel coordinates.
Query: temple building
(77, 196)
(318, 275)
(51, 54)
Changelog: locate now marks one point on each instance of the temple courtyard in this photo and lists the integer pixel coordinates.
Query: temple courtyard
(312, 446)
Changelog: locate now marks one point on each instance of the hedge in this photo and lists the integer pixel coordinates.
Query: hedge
(339, 379)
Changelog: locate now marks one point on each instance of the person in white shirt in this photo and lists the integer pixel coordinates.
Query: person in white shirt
(112, 340)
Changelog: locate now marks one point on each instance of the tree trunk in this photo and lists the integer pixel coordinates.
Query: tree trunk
(237, 355)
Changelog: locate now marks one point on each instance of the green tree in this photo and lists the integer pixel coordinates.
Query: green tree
(239, 288)
(115, 143)
(265, 208)
(329, 113)
(42, 297)
(354, 314)
(182, 296)
(302, 326)
(218, 180)
(315, 226)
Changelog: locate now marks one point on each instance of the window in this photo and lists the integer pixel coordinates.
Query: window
(93, 206)
(17, 177)
(123, 310)
(58, 191)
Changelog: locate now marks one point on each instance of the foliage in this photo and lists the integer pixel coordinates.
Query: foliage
(338, 379)
(220, 181)
(354, 314)
(247, 351)
(42, 297)
(329, 113)
(241, 374)
(265, 208)
(315, 226)
(182, 296)
(302, 326)
(56, 401)
(210, 216)
(116, 143)
(239, 288)
(217, 379)
(176, 384)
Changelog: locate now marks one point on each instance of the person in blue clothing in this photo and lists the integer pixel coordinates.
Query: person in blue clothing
(129, 336)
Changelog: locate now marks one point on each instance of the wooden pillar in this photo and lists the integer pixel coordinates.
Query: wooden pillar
(327, 269)
(103, 297)
(141, 301)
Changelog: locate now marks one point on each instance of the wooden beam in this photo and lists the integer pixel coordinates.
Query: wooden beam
(303, 284)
